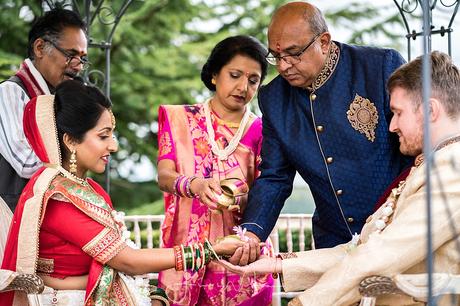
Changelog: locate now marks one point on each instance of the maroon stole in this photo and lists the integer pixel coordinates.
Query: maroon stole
(27, 78)
(383, 198)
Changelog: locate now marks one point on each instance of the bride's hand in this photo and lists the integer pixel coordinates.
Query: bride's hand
(227, 245)
(264, 265)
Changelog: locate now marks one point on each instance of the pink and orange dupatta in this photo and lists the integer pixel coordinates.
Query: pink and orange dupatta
(183, 138)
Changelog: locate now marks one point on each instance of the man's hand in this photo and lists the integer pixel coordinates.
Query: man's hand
(264, 265)
(247, 253)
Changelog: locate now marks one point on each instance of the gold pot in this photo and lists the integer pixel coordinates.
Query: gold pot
(232, 189)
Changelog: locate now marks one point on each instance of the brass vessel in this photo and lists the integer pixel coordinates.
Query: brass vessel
(232, 189)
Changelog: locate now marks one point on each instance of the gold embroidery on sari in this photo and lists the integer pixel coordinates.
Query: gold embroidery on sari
(60, 197)
(46, 124)
(84, 198)
(86, 193)
(45, 265)
(165, 144)
(106, 245)
(103, 291)
(363, 116)
(328, 69)
(122, 293)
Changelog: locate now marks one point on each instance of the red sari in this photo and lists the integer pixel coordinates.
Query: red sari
(61, 227)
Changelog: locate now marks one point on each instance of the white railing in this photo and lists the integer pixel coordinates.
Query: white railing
(286, 222)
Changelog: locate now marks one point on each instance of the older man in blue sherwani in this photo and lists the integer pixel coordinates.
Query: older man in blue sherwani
(326, 116)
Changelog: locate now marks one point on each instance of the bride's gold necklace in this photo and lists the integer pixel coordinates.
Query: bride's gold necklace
(73, 177)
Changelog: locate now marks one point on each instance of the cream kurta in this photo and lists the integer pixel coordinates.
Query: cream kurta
(331, 276)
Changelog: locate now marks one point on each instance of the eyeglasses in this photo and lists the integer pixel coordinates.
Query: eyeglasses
(72, 60)
(291, 59)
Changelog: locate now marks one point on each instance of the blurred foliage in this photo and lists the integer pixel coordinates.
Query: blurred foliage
(373, 25)
(157, 52)
(295, 240)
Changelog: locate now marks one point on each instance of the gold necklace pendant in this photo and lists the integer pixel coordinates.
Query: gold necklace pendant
(232, 125)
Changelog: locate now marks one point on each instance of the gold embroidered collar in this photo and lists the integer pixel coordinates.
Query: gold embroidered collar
(329, 67)
(447, 142)
(421, 158)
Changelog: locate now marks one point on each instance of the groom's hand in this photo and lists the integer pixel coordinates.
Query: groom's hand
(248, 253)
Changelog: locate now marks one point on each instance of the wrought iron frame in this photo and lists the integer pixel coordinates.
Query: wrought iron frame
(107, 16)
(407, 8)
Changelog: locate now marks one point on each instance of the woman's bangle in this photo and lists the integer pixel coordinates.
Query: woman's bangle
(198, 259)
(193, 257)
(176, 185)
(203, 255)
(183, 256)
(179, 258)
(160, 295)
(181, 186)
(188, 189)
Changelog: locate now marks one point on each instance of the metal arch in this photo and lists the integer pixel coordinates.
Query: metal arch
(427, 15)
(414, 8)
(107, 16)
(408, 8)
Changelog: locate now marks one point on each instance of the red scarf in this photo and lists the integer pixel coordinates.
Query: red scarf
(34, 135)
(29, 81)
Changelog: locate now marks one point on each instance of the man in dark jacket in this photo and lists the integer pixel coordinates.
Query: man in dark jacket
(325, 116)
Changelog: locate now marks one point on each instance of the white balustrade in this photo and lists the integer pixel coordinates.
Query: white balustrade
(286, 222)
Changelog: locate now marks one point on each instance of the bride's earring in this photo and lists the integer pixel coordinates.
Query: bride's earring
(73, 162)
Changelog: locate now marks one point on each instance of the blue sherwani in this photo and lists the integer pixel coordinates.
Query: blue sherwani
(335, 134)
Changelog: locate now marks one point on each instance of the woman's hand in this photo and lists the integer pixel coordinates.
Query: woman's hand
(206, 189)
(227, 245)
(264, 265)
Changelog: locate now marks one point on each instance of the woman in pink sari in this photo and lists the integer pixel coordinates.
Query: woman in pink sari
(199, 146)
(65, 228)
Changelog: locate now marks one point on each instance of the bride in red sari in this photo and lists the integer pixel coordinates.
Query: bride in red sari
(65, 228)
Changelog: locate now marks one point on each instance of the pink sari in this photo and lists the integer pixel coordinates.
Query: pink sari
(183, 138)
